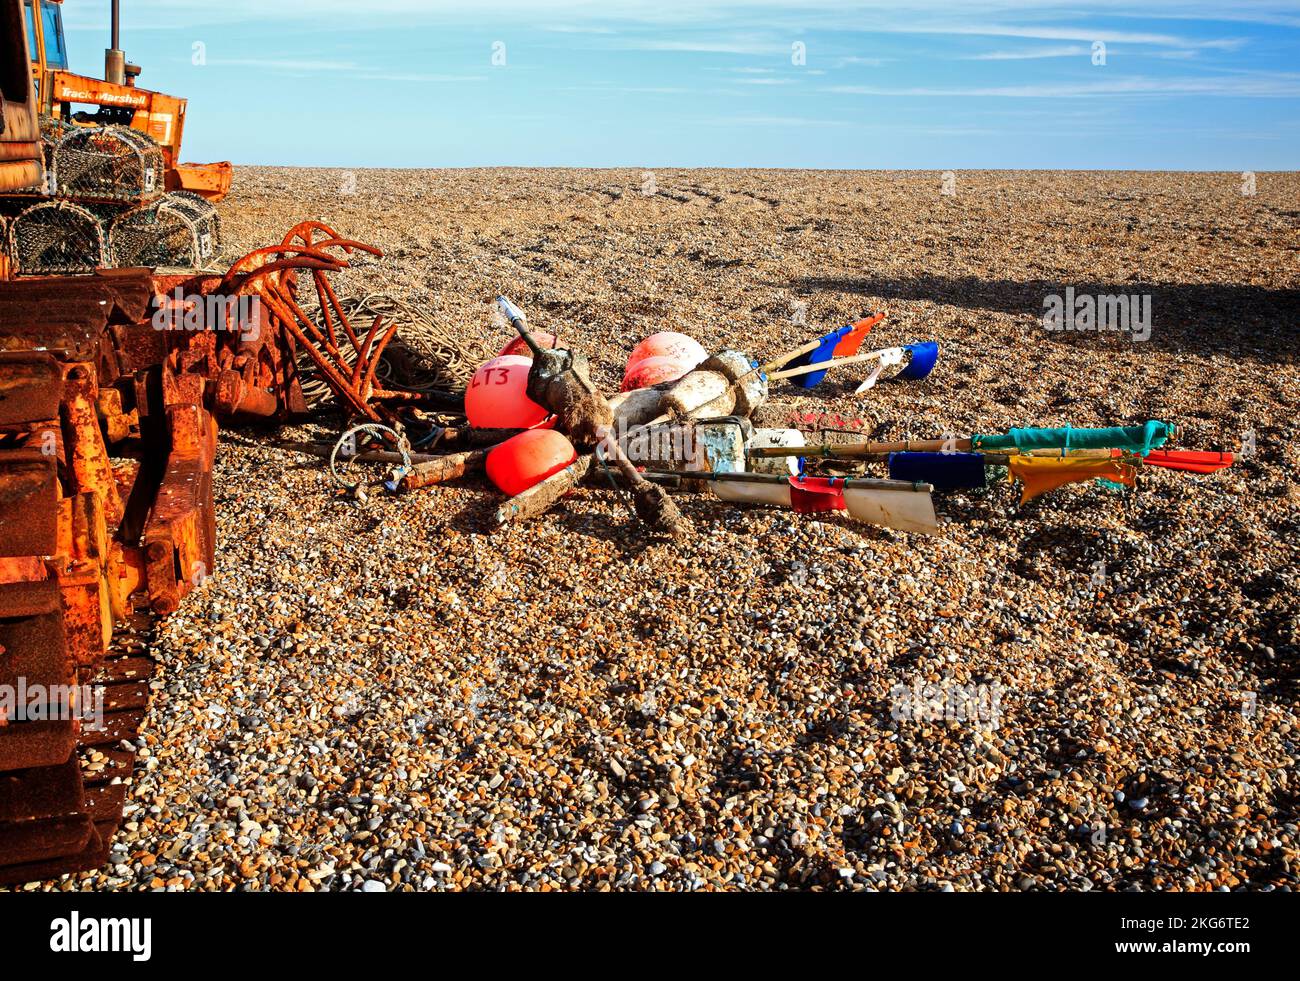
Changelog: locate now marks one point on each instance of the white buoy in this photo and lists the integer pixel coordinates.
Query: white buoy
(786, 438)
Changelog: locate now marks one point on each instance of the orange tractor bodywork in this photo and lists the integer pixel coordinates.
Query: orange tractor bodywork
(161, 117)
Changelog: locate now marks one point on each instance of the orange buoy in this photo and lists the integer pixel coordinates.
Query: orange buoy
(668, 344)
(528, 459)
(497, 397)
(653, 371)
(520, 347)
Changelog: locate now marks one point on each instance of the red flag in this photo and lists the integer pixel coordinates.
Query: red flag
(852, 341)
(1193, 461)
(811, 495)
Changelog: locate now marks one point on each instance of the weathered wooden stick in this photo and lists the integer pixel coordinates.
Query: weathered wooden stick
(807, 369)
(866, 483)
(537, 499)
(854, 451)
(369, 456)
(444, 468)
(882, 451)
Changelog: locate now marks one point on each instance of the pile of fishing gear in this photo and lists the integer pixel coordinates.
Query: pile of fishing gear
(539, 427)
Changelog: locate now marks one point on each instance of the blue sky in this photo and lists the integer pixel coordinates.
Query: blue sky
(661, 83)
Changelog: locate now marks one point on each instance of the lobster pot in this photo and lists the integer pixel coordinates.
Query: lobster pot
(180, 229)
(114, 163)
(56, 237)
(53, 130)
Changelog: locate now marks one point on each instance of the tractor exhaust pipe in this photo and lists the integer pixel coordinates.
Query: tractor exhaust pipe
(115, 57)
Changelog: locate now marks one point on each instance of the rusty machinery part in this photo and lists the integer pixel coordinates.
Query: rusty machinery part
(56, 237)
(87, 542)
(349, 447)
(61, 817)
(423, 356)
(114, 163)
(345, 358)
(180, 230)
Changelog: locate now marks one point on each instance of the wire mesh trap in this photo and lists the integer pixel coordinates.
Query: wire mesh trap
(179, 230)
(53, 130)
(114, 163)
(56, 237)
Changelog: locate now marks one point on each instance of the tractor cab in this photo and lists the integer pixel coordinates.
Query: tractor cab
(45, 36)
(80, 100)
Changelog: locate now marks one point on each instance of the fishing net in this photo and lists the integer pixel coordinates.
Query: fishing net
(114, 163)
(180, 229)
(56, 237)
(423, 357)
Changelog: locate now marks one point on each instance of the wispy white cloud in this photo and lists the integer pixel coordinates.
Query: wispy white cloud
(713, 45)
(1043, 32)
(288, 64)
(847, 60)
(1032, 54)
(775, 122)
(1278, 85)
(316, 66)
(419, 78)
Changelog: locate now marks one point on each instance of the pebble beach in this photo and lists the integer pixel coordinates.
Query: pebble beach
(1090, 691)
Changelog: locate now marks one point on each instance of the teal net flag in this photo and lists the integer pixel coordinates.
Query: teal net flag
(1135, 439)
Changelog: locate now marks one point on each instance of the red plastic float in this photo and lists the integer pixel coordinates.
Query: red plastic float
(654, 371)
(528, 459)
(497, 397)
(668, 344)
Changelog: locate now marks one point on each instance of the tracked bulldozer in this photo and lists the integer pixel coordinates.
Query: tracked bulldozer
(113, 382)
(114, 192)
(112, 386)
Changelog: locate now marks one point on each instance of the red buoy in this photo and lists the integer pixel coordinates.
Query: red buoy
(668, 344)
(653, 371)
(520, 347)
(528, 459)
(497, 397)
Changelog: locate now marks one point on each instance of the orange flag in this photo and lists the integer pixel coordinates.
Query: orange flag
(1038, 474)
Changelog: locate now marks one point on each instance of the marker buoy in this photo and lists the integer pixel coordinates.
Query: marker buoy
(520, 347)
(668, 344)
(654, 371)
(497, 397)
(528, 459)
